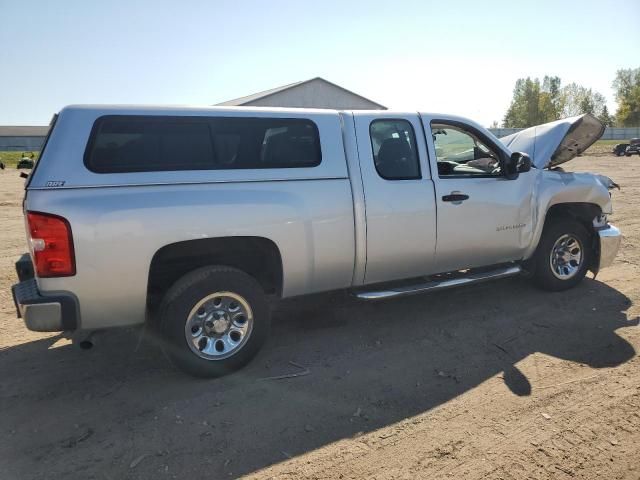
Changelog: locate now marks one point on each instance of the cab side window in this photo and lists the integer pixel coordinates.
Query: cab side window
(154, 143)
(461, 154)
(395, 154)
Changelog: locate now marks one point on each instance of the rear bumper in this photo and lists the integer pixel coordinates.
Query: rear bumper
(43, 313)
(610, 238)
(24, 268)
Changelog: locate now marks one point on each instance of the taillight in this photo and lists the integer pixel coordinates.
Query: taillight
(51, 244)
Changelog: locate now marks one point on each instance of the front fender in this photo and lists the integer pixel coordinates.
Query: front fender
(556, 187)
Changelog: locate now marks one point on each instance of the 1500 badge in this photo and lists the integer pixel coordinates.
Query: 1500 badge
(510, 227)
(54, 183)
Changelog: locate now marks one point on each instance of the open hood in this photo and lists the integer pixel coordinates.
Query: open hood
(556, 142)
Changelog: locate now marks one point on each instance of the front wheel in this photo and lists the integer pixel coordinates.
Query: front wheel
(563, 255)
(213, 321)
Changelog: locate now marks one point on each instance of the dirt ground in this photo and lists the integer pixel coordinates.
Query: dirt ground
(496, 381)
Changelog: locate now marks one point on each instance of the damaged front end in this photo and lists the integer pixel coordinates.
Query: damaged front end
(552, 144)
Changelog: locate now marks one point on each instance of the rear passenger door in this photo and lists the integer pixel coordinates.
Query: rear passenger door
(399, 196)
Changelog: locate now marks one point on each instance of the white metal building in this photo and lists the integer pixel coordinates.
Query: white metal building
(22, 138)
(314, 93)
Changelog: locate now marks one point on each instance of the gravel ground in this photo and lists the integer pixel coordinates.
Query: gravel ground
(497, 381)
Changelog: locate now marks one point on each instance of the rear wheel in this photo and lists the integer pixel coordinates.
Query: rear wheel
(213, 321)
(563, 255)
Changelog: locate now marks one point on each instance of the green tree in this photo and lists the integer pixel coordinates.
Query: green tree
(578, 100)
(534, 103)
(524, 105)
(606, 118)
(552, 101)
(627, 91)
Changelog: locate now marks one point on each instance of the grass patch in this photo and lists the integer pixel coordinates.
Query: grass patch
(610, 142)
(11, 159)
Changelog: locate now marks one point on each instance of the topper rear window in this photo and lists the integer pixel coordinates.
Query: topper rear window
(120, 144)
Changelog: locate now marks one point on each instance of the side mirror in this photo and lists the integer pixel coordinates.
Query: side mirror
(522, 161)
(509, 167)
(514, 165)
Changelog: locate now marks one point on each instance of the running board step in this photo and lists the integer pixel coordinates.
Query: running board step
(439, 284)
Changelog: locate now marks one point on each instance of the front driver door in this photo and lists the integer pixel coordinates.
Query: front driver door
(483, 218)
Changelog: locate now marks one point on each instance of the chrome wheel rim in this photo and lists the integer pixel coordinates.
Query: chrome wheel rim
(219, 325)
(566, 257)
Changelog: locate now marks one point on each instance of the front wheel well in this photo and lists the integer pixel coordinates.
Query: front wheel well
(256, 256)
(583, 213)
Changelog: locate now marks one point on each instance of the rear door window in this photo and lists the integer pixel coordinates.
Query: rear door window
(395, 154)
(154, 143)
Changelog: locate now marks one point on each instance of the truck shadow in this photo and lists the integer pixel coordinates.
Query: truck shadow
(123, 410)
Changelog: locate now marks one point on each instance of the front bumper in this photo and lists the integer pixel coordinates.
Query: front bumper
(43, 313)
(609, 238)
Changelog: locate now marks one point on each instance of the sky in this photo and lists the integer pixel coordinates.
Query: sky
(459, 57)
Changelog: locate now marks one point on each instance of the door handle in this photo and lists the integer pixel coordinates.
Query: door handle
(455, 197)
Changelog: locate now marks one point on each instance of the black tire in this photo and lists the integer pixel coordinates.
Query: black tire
(543, 272)
(185, 294)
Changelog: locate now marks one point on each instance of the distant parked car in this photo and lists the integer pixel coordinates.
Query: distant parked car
(26, 161)
(619, 149)
(634, 147)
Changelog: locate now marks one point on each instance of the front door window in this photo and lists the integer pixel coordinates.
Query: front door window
(461, 154)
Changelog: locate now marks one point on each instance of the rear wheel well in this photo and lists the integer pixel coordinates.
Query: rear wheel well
(256, 256)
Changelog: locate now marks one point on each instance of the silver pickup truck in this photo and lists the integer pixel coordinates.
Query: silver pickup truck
(195, 219)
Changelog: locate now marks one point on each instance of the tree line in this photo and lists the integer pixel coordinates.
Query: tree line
(535, 102)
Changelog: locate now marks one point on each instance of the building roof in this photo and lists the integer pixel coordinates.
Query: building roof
(23, 131)
(255, 96)
(267, 93)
